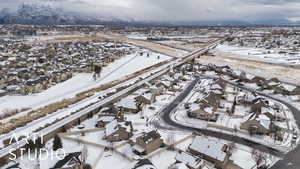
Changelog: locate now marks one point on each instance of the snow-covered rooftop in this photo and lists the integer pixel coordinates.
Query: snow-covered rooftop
(111, 127)
(128, 102)
(189, 159)
(209, 147)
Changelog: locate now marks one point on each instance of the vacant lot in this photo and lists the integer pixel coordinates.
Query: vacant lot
(266, 70)
(146, 44)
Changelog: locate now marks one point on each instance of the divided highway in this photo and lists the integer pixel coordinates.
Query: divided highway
(155, 73)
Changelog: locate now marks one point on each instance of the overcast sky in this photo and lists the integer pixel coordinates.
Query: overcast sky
(178, 10)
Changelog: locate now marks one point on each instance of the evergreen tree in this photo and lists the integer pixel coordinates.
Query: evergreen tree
(57, 143)
(87, 166)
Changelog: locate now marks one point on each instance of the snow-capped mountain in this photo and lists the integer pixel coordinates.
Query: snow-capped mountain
(45, 14)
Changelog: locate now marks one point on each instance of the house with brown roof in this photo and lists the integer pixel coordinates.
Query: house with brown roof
(117, 132)
(147, 143)
(255, 79)
(145, 98)
(211, 100)
(291, 89)
(256, 124)
(128, 104)
(144, 164)
(164, 84)
(221, 82)
(71, 161)
(102, 121)
(203, 113)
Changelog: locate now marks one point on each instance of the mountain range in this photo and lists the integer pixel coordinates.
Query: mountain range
(45, 14)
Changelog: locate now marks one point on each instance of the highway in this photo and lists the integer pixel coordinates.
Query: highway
(159, 71)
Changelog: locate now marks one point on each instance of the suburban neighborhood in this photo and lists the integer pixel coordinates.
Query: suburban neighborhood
(148, 97)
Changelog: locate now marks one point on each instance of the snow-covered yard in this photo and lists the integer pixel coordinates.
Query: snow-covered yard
(257, 54)
(82, 82)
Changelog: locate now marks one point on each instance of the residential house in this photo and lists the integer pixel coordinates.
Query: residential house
(273, 115)
(255, 79)
(107, 118)
(203, 113)
(291, 89)
(145, 98)
(257, 105)
(102, 121)
(71, 161)
(147, 143)
(238, 74)
(221, 82)
(213, 151)
(257, 124)
(178, 166)
(3, 93)
(108, 110)
(211, 100)
(272, 80)
(144, 164)
(156, 91)
(164, 84)
(128, 104)
(190, 160)
(117, 132)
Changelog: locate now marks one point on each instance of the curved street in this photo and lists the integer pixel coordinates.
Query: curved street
(289, 161)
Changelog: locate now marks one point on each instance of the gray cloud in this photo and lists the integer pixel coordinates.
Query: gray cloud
(270, 1)
(178, 10)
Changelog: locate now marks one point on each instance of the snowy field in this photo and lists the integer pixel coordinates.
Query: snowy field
(137, 37)
(258, 54)
(82, 82)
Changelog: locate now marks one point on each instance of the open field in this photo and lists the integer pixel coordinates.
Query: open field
(258, 54)
(184, 45)
(146, 44)
(284, 73)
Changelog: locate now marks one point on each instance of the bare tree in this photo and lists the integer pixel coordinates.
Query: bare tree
(171, 140)
(231, 147)
(259, 158)
(84, 153)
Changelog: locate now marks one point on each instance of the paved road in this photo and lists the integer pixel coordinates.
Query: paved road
(164, 68)
(166, 112)
(292, 159)
(289, 161)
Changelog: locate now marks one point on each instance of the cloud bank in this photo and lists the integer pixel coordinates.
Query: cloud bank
(177, 10)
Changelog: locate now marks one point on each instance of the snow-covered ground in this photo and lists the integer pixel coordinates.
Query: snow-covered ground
(142, 122)
(81, 82)
(228, 124)
(259, 69)
(137, 37)
(257, 54)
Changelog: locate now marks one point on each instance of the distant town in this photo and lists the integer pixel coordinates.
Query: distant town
(146, 97)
